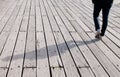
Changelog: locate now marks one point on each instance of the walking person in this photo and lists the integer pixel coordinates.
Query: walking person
(105, 6)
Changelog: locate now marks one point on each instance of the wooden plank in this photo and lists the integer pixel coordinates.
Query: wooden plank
(9, 47)
(43, 12)
(112, 22)
(4, 9)
(39, 22)
(43, 68)
(8, 27)
(112, 57)
(68, 63)
(3, 72)
(18, 56)
(72, 47)
(106, 40)
(42, 58)
(8, 17)
(16, 66)
(58, 72)
(77, 18)
(50, 41)
(30, 54)
(91, 59)
(112, 31)
(29, 72)
(26, 16)
(116, 20)
(55, 62)
(114, 8)
(5, 34)
(3, 38)
(113, 38)
(78, 57)
(117, 29)
(86, 72)
(64, 19)
(100, 56)
(55, 39)
(65, 55)
(52, 6)
(52, 51)
(51, 16)
(92, 28)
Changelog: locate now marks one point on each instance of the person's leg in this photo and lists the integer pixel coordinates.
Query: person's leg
(105, 12)
(96, 12)
(97, 9)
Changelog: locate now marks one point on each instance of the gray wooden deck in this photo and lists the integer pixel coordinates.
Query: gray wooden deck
(55, 38)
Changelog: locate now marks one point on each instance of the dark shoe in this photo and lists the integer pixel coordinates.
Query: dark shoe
(98, 35)
(101, 34)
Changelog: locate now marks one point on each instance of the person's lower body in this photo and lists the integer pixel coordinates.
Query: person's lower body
(96, 12)
(105, 12)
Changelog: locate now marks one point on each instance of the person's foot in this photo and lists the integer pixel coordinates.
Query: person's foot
(102, 34)
(98, 35)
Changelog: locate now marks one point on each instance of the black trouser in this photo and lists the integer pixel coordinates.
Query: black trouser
(105, 11)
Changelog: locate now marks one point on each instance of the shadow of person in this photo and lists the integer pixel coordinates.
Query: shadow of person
(51, 50)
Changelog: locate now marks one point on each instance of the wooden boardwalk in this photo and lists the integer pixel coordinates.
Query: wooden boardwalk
(55, 38)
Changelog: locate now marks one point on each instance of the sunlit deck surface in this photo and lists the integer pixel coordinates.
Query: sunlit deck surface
(55, 38)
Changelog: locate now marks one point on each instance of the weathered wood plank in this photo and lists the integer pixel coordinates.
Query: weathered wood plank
(50, 41)
(43, 68)
(4, 9)
(55, 61)
(3, 37)
(16, 66)
(64, 51)
(92, 28)
(10, 44)
(26, 16)
(72, 46)
(39, 22)
(100, 56)
(106, 40)
(51, 14)
(29, 72)
(68, 63)
(117, 29)
(77, 18)
(63, 17)
(13, 17)
(3, 72)
(58, 72)
(42, 58)
(30, 54)
(113, 38)
(55, 38)
(112, 57)
(8, 17)
(86, 72)
(91, 59)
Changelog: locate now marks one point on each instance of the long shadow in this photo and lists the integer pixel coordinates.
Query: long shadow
(41, 53)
